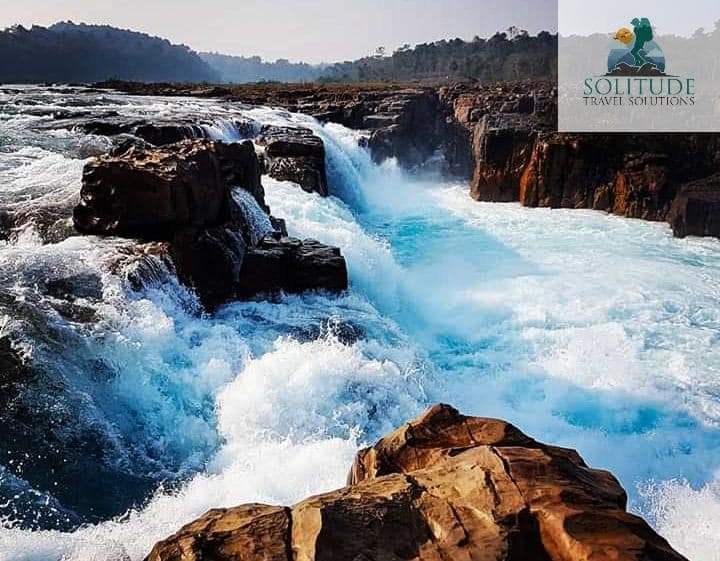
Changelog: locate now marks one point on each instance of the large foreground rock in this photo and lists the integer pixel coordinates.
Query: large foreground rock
(443, 487)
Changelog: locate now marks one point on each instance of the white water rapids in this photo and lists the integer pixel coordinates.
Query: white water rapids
(586, 330)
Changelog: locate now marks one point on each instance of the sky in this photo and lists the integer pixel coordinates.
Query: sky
(310, 30)
(678, 17)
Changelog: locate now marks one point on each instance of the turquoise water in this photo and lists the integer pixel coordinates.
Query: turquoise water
(586, 330)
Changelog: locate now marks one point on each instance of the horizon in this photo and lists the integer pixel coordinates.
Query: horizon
(315, 32)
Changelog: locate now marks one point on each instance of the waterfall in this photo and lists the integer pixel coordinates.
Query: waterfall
(258, 223)
(586, 330)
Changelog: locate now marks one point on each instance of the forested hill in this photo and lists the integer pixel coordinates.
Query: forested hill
(68, 52)
(240, 70)
(511, 55)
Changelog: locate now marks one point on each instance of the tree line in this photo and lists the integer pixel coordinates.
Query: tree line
(68, 52)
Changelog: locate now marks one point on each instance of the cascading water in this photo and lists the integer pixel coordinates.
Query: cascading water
(260, 225)
(586, 330)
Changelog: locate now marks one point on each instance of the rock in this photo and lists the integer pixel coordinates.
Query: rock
(205, 198)
(407, 126)
(52, 222)
(297, 155)
(87, 286)
(503, 136)
(246, 532)
(291, 265)
(444, 486)
(210, 261)
(291, 142)
(148, 265)
(502, 148)
(154, 193)
(107, 126)
(12, 366)
(563, 172)
(53, 435)
(307, 172)
(637, 176)
(696, 209)
(164, 134)
(124, 142)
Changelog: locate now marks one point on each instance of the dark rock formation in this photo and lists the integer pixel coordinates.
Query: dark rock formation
(629, 175)
(153, 194)
(205, 198)
(443, 486)
(696, 209)
(406, 126)
(167, 133)
(291, 265)
(52, 222)
(210, 261)
(412, 124)
(47, 409)
(519, 157)
(297, 155)
(502, 147)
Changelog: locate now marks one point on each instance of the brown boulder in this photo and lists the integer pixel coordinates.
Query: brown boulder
(502, 148)
(155, 193)
(444, 486)
(258, 531)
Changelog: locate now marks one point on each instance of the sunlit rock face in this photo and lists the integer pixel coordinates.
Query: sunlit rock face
(442, 486)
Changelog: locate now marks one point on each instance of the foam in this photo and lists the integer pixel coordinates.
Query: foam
(586, 330)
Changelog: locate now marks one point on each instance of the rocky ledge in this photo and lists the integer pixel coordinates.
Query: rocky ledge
(295, 154)
(444, 486)
(502, 138)
(205, 201)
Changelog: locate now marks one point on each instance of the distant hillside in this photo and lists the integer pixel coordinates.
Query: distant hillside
(68, 52)
(513, 55)
(240, 70)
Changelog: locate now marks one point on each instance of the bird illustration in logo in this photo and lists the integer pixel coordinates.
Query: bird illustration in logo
(624, 35)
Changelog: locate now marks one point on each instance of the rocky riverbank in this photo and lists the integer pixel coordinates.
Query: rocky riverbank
(502, 139)
(443, 486)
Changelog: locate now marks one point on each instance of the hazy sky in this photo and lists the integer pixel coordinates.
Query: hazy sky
(679, 17)
(311, 30)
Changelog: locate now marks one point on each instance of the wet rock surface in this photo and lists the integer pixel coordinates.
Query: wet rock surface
(297, 155)
(154, 193)
(221, 240)
(74, 456)
(444, 486)
(291, 265)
